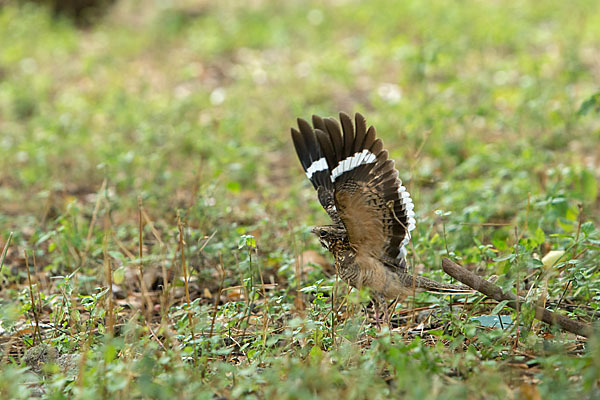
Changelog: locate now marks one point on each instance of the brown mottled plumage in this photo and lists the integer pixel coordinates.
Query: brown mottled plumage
(372, 212)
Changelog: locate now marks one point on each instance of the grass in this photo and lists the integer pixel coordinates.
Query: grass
(489, 109)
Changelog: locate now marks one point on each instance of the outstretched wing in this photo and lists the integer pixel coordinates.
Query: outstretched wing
(315, 165)
(371, 201)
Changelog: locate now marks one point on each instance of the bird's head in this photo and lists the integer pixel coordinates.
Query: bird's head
(329, 234)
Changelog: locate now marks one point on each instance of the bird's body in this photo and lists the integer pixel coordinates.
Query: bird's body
(371, 210)
(387, 277)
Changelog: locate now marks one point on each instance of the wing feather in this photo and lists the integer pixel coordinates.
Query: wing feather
(335, 134)
(372, 203)
(315, 164)
(318, 122)
(349, 137)
(357, 184)
(360, 133)
(326, 147)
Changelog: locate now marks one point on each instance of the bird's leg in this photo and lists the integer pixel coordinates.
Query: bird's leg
(386, 314)
(390, 314)
(379, 301)
(376, 312)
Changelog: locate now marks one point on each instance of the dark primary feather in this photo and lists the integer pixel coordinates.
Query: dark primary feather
(318, 122)
(309, 152)
(349, 138)
(327, 147)
(333, 129)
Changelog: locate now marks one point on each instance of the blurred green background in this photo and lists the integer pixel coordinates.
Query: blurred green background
(491, 110)
(189, 104)
(160, 97)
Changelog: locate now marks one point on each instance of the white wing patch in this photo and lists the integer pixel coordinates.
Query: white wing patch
(402, 252)
(356, 160)
(410, 215)
(316, 166)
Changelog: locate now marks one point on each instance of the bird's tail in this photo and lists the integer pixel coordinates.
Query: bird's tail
(429, 285)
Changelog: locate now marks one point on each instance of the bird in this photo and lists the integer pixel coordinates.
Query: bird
(371, 211)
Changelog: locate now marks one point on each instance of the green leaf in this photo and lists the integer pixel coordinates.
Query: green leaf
(44, 237)
(110, 353)
(587, 227)
(591, 103)
(510, 257)
(119, 275)
(247, 241)
(539, 237)
(233, 186)
(308, 289)
(499, 306)
(117, 255)
(534, 263)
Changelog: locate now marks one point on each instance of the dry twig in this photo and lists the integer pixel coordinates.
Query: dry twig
(495, 292)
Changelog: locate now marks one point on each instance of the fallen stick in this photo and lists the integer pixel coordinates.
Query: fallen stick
(495, 292)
